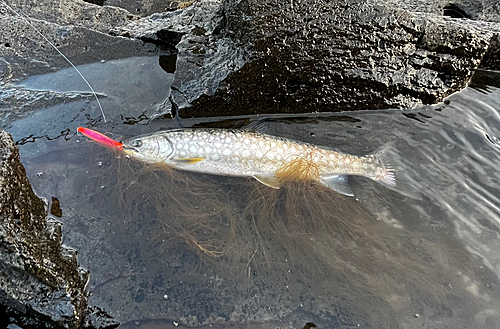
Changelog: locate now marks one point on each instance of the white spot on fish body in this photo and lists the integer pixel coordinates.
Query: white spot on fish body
(228, 140)
(270, 155)
(285, 147)
(245, 153)
(182, 154)
(259, 154)
(208, 149)
(247, 141)
(253, 146)
(217, 144)
(226, 152)
(180, 146)
(193, 149)
(273, 144)
(293, 149)
(201, 143)
(261, 144)
(216, 156)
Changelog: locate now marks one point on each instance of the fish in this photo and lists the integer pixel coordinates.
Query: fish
(269, 159)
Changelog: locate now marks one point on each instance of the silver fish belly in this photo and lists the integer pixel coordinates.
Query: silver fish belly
(264, 157)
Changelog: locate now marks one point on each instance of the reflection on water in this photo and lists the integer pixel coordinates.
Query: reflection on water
(208, 250)
(126, 88)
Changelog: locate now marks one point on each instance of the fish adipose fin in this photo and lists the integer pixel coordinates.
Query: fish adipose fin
(338, 183)
(187, 161)
(270, 180)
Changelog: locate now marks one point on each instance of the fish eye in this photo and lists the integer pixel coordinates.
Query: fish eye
(137, 143)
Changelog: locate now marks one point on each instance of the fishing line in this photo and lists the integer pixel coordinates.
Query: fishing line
(26, 19)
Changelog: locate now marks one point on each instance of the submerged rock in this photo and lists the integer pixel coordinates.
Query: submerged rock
(41, 284)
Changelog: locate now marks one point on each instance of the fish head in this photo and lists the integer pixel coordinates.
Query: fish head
(150, 148)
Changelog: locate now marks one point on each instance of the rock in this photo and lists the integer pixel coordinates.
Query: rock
(78, 29)
(79, 37)
(41, 284)
(270, 56)
(348, 56)
(482, 10)
(141, 7)
(96, 318)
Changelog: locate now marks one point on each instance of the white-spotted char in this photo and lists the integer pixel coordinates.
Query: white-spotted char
(267, 158)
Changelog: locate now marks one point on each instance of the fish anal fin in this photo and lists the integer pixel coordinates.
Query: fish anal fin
(269, 180)
(187, 161)
(338, 183)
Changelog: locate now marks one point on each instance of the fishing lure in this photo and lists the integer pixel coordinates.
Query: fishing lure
(101, 138)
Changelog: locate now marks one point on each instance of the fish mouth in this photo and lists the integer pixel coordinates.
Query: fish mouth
(129, 150)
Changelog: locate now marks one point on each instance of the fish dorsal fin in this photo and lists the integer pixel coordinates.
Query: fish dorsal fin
(187, 161)
(268, 179)
(258, 126)
(338, 183)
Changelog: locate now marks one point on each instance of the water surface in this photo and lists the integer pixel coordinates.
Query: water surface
(167, 248)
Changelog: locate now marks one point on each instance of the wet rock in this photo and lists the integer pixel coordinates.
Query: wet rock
(41, 284)
(483, 10)
(25, 50)
(66, 13)
(270, 56)
(96, 318)
(143, 7)
(205, 55)
(313, 55)
(78, 29)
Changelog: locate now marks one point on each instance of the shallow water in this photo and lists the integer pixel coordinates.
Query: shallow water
(167, 248)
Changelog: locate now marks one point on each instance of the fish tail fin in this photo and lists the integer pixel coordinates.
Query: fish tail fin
(385, 172)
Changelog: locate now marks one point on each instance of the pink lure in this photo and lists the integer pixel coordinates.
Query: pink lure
(100, 138)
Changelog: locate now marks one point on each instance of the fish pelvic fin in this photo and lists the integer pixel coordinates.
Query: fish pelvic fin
(338, 183)
(269, 180)
(187, 161)
(385, 172)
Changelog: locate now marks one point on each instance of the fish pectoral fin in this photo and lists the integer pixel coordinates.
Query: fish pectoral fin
(186, 160)
(270, 180)
(338, 183)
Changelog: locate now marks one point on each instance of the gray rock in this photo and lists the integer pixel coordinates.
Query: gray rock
(41, 284)
(78, 29)
(483, 10)
(334, 56)
(269, 56)
(143, 7)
